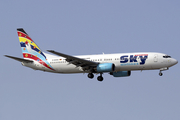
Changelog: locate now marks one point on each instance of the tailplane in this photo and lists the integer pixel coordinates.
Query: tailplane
(19, 59)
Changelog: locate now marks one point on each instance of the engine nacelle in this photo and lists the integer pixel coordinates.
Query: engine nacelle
(105, 67)
(121, 74)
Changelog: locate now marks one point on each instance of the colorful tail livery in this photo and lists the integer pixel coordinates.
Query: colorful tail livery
(30, 50)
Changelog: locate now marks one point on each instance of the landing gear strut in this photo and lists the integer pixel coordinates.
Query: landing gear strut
(90, 75)
(162, 69)
(100, 78)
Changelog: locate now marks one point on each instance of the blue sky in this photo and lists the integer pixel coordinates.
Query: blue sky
(90, 27)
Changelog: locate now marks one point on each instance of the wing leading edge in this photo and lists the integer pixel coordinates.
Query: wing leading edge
(79, 62)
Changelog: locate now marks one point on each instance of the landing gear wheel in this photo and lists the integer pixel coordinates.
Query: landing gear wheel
(90, 75)
(100, 78)
(160, 74)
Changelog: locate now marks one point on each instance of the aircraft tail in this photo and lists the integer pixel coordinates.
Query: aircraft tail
(30, 49)
(28, 46)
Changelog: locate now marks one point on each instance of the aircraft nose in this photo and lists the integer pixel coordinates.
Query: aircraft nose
(174, 61)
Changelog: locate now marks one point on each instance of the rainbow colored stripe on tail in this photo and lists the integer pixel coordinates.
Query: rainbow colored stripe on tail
(30, 50)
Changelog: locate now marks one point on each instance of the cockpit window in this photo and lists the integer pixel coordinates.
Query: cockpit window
(166, 56)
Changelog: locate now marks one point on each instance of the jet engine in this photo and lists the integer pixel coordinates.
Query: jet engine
(121, 73)
(105, 67)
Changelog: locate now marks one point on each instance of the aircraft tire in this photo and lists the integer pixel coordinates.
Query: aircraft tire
(160, 74)
(100, 78)
(90, 75)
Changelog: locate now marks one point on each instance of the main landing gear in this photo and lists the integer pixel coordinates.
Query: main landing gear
(90, 75)
(99, 78)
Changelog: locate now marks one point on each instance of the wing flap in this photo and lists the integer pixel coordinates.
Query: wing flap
(18, 59)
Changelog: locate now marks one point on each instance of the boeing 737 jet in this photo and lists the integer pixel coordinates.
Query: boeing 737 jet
(117, 65)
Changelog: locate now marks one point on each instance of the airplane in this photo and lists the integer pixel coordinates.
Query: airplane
(117, 65)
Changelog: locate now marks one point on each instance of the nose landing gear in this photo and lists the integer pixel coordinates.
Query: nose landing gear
(162, 69)
(160, 73)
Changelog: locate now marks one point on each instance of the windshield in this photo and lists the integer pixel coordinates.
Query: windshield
(166, 56)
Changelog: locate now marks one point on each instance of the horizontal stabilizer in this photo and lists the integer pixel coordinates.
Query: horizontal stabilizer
(18, 59)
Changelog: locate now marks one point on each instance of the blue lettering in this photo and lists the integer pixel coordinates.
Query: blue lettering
(133, 59)
(143, 59)
(123, 59)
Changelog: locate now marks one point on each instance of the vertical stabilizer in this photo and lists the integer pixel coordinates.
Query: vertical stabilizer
(28, 46)
(30, 50)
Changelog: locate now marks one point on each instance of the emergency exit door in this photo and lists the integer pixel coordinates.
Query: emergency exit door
(155, 58)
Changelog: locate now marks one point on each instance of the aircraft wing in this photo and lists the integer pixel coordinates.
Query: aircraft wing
(85, 64)
(18, 59)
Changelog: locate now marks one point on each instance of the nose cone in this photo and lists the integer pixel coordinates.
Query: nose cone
(174, 61)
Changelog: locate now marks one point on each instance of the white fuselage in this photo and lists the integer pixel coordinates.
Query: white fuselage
(122, 62)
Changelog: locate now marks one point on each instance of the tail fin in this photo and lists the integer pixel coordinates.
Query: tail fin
(28, 46)
(30, 50)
